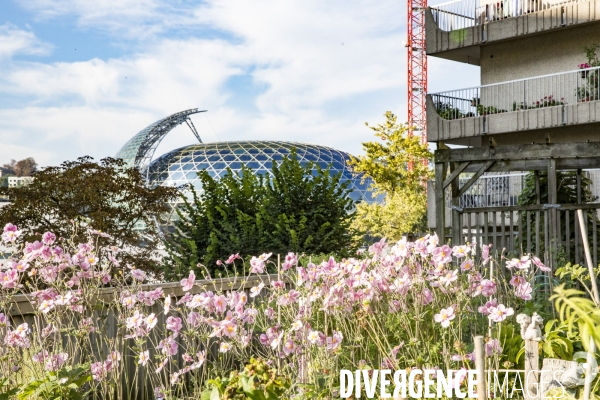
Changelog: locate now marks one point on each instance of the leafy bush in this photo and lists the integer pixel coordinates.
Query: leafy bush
(301, 208)
(258, 381)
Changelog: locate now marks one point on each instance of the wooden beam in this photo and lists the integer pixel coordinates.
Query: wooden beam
(539, 165)
(471, 181)
(520, 152)
(440, 204)
(532, 207)
(455, 173)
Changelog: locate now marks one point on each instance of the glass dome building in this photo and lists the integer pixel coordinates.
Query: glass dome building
(180, 166)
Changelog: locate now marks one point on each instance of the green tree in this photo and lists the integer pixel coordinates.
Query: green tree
(300, 208)
(4, 179)
(307, 209)
(23, 167)
(223, 219)
(107, 196)
(402, 187)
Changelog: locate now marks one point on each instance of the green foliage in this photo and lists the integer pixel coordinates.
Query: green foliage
(570, 274)
(512, 345)
(107, 196)
(547, 101)
(301, 208)
(447, 111)
(64, 384)
(591, 54)
(487, 110)
(305, 212)
(578, 312)
(558, 341)
(4, 179)
(258, 381)
(319, 389)
(387, 164)
(588, 90)
(7, 393)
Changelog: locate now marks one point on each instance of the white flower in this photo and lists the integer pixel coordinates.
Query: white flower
(297, 325)
(167, 304)
(151, 321)
(225, 347)
(144, 357)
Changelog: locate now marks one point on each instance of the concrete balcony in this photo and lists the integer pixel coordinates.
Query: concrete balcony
(457, 30)
(565, 106)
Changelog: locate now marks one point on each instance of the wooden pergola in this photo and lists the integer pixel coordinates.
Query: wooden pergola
(538, 157)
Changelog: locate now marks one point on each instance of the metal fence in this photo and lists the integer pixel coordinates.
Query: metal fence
(552, 90)
(526, 229)
(462, 14)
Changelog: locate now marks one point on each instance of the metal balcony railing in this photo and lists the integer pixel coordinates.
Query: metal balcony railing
(455, 15)
(493, 190)
(524, 94)
(466, 13)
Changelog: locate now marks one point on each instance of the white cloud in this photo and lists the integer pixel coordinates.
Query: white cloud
(318, 71)
(17, 41)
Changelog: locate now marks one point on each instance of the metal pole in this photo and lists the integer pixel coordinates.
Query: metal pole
(588, 257)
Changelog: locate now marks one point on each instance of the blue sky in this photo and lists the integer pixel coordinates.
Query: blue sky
(80, 77)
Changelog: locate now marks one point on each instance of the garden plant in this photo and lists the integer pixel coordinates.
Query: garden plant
(90, 327)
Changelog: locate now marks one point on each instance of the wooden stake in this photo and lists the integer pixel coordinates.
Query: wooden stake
(532, 367)
(480, 368)
(588, 258)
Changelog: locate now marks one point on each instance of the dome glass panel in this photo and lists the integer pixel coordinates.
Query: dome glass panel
(258, 155)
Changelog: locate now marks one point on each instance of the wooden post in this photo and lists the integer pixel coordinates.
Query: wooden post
(480, 368)
(440, 201)
(538, 194)
(532, 366)
(456, 216)
(579, 191)
(552, 199)
(588, 257)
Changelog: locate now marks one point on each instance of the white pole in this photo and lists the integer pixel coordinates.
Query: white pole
(588, 258)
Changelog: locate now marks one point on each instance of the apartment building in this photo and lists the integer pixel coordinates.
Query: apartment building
(537, 109)
(18, 181)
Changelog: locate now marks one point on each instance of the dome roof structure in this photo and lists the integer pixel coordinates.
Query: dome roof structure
(180, 166)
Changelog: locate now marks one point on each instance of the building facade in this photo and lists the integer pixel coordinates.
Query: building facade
(537, 109)
(18, 181)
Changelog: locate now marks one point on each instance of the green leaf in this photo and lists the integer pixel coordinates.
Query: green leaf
(519, 354)
(206, 395)
(215, 395)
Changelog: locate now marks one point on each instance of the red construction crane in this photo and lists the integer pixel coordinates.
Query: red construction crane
(417, 68)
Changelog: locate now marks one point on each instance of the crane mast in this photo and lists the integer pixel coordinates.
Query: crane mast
(417, 68)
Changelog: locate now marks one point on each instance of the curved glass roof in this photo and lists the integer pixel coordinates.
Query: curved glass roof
(179, 166)
(138, 151)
